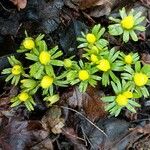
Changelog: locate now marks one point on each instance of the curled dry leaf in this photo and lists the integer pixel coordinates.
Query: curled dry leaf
(21, 4)
(52, 121)
(145, 58)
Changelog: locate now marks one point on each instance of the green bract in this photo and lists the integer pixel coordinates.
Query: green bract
(14, 73)
(127, 25)
(138, 78)
(84, 74)
(124, 97)
(92, 40)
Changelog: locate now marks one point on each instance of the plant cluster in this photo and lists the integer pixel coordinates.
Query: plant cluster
(99, 64)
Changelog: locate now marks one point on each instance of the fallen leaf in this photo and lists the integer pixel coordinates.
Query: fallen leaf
(89, 101)
(52, 120)
(145, 58)
(21, 4)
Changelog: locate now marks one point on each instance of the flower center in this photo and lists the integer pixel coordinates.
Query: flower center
(44, 57)
(128, 94)
(94, 58)
(16, 70)
(140, 79)
(46, 82)
(23, 96)
(67, 63)
(128, 59)
(90, 38)
(122, 100)
(28, 43)
(83, 75)
(104, 65)
(128, 22)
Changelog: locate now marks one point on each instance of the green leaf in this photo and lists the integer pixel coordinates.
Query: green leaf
(126, 36)
(6, 71)
(31, 57)
(115, 29)
(114, 19)
(105, 79)
(58, 54)
(138, 66)
(123, 13)
(9, 77)
(146, 69)
(133, 103)
(115, 88)
(133, 36)
(117, 112)
(49, 70)
(57, 62)
(36, 70)
(16, 103)
(113, 77)
(129, 107)
(139, 20)
(108, 98)
(110, 106)
(100, 33)
(83, 45)
(96, 29)
(140, 28)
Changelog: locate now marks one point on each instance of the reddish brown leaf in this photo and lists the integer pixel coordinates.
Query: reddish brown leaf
(21, 4)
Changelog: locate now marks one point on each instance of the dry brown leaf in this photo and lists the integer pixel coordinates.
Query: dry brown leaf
(21, 4)
(145, 58)
(89, 101)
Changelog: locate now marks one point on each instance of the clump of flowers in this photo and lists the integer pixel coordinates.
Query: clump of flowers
(98, 65)
(124, 97)
(127, 25)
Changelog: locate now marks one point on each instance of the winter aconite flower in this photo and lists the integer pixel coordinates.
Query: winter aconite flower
(128, 59)
(14, 73)
(44, 60)
(24, 98)
(28, 43)
(138, 78)
(93, 39)
(84, 74)
(123, 98)
(127, 25)
(107, 64)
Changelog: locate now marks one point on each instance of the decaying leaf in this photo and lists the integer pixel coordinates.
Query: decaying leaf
(52, 121)
(89, 101)
(145, 58)
(21, 4)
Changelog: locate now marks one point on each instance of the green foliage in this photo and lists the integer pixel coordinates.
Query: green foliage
(98, 65)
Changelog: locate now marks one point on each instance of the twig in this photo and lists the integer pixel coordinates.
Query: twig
(5, 8)
(86, 119)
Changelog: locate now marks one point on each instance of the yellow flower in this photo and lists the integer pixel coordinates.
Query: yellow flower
(83, 75)
(127, 22)
(104, 65)
(28, 43)
(140, 79)
(67, 63)
(94, 58)
(128, 59)
(90, 38)
(46, 82)
(44, 57)
(122, 100)
(128, 94)
(23, 96)
(16, 70)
